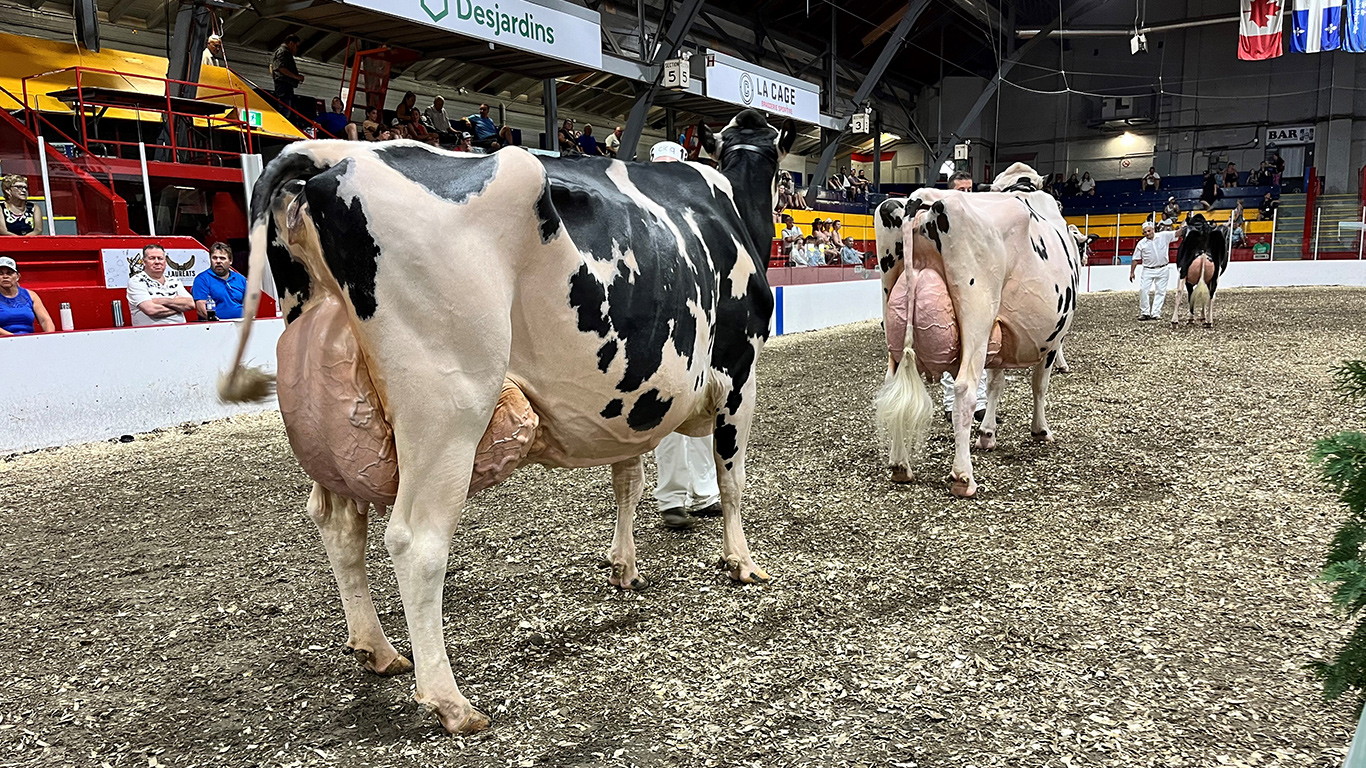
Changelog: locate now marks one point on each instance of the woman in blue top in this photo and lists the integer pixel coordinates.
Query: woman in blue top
(19, 307)
(20, 216)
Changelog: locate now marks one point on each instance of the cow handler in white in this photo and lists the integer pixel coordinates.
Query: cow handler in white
(686, 466)
(1153, 253)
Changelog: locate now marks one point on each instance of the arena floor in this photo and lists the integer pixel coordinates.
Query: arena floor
(1140, 593)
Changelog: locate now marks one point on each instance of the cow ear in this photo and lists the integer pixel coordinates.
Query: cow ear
(787, 136)
(708, 140)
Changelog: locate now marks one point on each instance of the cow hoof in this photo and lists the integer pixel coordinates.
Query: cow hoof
(396, 665)
(1209, 325)
(458, 718)
(986, 441)
(636, 584)
(1062, 369)
(963, 488)
(745, 573)
(901, 475)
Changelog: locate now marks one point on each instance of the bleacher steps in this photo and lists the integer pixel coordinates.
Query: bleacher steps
(1289, 227)
(1333, 209)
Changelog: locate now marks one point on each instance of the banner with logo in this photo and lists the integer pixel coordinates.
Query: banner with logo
(1317, 26)
(1354, 27)
(738, 82)
(1259, 30)
(574, 36)
(184, 264)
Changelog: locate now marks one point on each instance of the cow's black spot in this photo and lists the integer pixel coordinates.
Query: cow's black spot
(725, 439)
(1040, 248)
(455, 179)
(890, 212)
(348, 247)
(283, 169)
(941, 218)
(649, 410)
(612, 409)
(587, 295)
(548, 217)
(1048, 363)
(733, 401)
(931, 231)
(1059, 309)
(606, 353)
(886, 263)
(972, 281)
(291, 279)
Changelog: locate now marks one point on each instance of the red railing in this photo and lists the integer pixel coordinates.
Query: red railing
(1311, 196)
(82, 187)
(178, 116)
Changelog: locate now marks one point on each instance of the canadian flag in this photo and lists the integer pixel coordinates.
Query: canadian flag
(1259, 30)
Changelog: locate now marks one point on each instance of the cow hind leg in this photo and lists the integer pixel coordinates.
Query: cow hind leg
(1040, 429)
(342, 524)
(986, 431)
(732, 434)
(628, 483)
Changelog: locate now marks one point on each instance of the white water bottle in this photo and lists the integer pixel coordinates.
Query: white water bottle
(67, 323)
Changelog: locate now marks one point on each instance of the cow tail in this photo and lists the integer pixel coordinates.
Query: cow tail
(903, 406)
(1200, 297)
(243, 383)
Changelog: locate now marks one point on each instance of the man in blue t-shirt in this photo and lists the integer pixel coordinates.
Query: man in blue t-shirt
(587, 144)
(221, 283)
(488, 134)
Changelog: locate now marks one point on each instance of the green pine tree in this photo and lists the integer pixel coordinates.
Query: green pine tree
(1342, 464)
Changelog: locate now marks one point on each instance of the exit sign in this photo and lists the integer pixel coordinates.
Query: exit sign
(253, 117)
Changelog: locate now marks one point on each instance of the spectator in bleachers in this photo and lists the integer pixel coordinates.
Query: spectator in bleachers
(814, 254)
(1088, 185)
(1171, 212)
(410, 120)
(372, 129)
(21, 216)
(154, 298)
(285, 71)
(836, 186)
(613, 143)
(792, 234)
(336, 122)
(436, 115)
(1231, 175)
(1268, 207)
(20, 308)
(1073, 186)
(568, 138)
(1153, 253)
(961, 181)
(1263, 175)
(1235, 225)
(848, 255)
(488, 134)
(587, 144)
(787, 194)
(836, 233)
(1277, 164)
(1152, 181)
(1058, 187)
(221, 284)
(1210, 192)
(213, 53)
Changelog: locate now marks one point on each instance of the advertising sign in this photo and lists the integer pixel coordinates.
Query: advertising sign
(184, 264)
(738, 82)
(574, 36)
(1290, 134)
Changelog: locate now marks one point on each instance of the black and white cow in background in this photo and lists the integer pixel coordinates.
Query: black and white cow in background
(451, 318)
(1200, 260)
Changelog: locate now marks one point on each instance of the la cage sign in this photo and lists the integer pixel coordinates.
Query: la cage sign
(731, 80)
(573, 34)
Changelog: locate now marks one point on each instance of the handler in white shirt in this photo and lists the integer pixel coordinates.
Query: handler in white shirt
(1153, 253)
(154, 298)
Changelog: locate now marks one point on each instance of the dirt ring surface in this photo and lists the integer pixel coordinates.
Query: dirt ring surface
(1138, 594)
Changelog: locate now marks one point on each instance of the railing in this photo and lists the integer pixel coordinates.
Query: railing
(90, 93)
(1309, 244)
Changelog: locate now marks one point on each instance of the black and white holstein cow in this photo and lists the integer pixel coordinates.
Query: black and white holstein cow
(973, 284)
(450, 318)
(1200, 261)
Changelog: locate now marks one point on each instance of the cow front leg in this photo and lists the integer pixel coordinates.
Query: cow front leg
(986, 431)
(431, 496)
(728, 445)
(628, 483)
(1040, 429)
(343, 527)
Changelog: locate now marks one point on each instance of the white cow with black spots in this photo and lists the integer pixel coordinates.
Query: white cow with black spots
(452, 318)
(973, 284)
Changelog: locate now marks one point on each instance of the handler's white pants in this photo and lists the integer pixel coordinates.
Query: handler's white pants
(687, 473)
(946, 382)
(1154, 280)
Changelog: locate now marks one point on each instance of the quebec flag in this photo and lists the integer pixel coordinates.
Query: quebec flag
(1317, 26)
(1354, 36)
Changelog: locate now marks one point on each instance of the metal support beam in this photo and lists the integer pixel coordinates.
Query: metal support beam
(121, 7)
(913, 10)
(645, 94)
(1076, 8)
(549, 102)
(877, 153)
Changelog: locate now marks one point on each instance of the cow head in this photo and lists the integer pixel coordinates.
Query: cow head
(747, 132)
(1017, 178)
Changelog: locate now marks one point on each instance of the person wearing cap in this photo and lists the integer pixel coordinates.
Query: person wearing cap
(213, 53)
(1171, 211)
(20, 216)
(20, 308)
(154, 298)
(1153, 252)
(685, 484)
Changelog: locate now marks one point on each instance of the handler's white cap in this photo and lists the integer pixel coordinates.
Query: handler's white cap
(670, 150)
(1147, 225)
